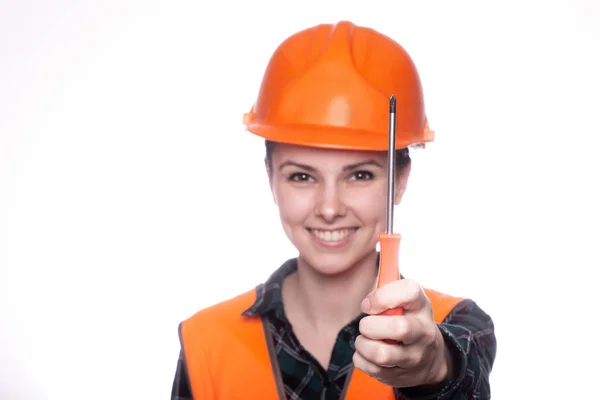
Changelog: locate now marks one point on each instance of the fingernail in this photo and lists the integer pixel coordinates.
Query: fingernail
(365, 305)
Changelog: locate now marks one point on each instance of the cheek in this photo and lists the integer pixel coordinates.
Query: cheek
(294, 205)
(368, 205)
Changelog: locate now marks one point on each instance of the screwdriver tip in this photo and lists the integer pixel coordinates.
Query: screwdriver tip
(393, 104)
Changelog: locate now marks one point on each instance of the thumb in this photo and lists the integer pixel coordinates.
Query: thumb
(404, 293)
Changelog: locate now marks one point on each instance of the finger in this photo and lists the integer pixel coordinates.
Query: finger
(406, 329)
(388, 376)
(404, 293)
(379, 353)
(366, 366)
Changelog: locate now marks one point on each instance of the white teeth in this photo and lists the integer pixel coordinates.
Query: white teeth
(332, 236)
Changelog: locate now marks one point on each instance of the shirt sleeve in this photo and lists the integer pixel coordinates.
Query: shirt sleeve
(469, 334)
(181, 384)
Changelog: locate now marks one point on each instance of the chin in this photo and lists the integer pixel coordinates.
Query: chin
(329, 264)
(332, 264)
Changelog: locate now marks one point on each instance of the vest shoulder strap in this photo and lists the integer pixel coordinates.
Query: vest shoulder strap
(223, 347)
(442, 304)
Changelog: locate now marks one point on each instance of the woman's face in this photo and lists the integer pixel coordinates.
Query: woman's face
(332, 203)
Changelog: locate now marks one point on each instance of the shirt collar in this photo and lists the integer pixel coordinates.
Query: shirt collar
(268, 294)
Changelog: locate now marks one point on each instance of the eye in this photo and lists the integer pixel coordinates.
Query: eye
(361, 175)
(300, 177)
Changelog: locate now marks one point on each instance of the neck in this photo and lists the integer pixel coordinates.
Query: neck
(328, 303)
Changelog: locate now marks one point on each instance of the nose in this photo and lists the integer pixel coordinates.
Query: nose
(330, 204)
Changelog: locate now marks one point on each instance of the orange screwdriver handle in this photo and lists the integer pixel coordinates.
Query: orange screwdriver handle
(389, 268)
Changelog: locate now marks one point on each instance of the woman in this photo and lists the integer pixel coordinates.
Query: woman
(315, 329)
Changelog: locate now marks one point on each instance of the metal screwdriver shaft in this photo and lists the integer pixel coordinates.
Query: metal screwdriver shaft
(389, 228)
(389, 242)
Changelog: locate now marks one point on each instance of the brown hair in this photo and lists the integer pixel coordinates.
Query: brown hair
(402, 156)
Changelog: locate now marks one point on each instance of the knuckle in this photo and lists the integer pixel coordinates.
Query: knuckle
(357, 342)
(413, 288)
(382, 356)
(414, 360)
(364, 324)
(377, 298)
(431, 334)
(361, 326)
(373, 369)
(356, 360)
(399, 326)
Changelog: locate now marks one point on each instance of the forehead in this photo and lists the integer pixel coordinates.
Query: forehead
(319, 156)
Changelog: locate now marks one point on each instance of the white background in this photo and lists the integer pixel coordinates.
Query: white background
(131, 196)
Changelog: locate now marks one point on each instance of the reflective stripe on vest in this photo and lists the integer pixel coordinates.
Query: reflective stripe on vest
(232, 357)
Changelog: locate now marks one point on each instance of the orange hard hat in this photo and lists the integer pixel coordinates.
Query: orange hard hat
(329, 86)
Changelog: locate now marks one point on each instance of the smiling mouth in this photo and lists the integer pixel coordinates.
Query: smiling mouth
(332, 236)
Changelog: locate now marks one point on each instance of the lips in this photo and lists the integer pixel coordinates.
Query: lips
(332, 236)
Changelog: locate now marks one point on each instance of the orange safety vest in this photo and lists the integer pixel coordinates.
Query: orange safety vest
(230, 356)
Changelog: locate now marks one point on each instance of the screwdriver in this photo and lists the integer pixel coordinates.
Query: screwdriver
(389, 242)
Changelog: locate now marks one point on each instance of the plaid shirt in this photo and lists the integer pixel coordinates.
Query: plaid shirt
(468, 331)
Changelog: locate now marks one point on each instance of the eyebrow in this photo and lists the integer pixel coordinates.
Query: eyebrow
(348, 167)
(362, 164)
(295, 164)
